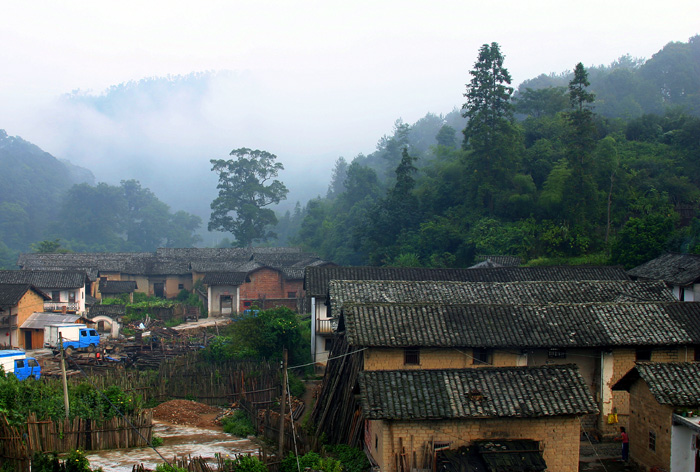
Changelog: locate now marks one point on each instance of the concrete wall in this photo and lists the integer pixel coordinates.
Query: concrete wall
(559, 438)
(214, 299)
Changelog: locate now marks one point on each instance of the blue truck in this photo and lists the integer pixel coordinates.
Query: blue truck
(76, 337)
(17, 363)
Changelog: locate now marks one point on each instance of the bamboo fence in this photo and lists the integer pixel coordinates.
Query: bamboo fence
(19, 442)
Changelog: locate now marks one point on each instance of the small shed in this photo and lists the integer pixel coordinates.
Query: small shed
(33, 328)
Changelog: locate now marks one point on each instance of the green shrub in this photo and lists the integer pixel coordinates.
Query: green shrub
(246, 464)
(352, 458)
(238, 424)
(296, 386)
(169, 468)
(310, 460)
(156, 441)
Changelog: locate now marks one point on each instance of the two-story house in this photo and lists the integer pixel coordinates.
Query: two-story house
(17, 303)
(317, 280)
(603, 327)
(67, 288)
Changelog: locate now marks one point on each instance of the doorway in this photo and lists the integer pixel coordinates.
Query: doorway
(27, 340)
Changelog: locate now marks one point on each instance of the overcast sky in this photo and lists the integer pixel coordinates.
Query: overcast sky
(340, 72)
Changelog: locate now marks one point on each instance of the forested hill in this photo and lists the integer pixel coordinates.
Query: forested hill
(32, 182)
(49, 205)
(598, 165)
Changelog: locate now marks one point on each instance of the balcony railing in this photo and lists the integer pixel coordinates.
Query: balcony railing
(59, 306)
(323, 327)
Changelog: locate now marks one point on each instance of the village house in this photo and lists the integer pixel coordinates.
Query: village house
(409, 413)
(681, 272)
(117, 288)
(603, 327)
(317, 280)
(17, 303)
(664, 427)
(262, 277)
(66, 288)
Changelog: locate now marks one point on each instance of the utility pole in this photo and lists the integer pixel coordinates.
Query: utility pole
(63, 374)
(282, 403)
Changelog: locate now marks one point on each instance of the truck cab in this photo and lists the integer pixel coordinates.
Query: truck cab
(17, 363)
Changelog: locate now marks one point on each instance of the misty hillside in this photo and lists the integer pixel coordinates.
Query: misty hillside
(32, 182)
(612, 178)
(163, 131)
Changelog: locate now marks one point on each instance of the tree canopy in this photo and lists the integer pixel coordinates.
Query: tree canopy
(247, 185)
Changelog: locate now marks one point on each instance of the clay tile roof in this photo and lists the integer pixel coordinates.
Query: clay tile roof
(522, 326)
(676, 269)
(520, 392)
(448, 292)
(11, 294)
(224, 278)
(675, 383)
(316, 279)
(117, 286)
(45, 279)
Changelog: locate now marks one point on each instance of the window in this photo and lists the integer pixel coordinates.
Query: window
(19, 363)
(411, 356)
(291, 294)
(71, 297)
(181, 286)
(481, 356)
(247, 304)
(56, 296)
(652, 441)
(328, 344)
(556, 353)
(644, 354)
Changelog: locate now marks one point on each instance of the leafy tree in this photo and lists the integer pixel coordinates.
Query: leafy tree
(546, 101)
(246, 186)
(447, 136)
(49, 247)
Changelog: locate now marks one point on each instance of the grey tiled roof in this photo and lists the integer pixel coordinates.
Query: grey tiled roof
(522, 326)
(224, 278)
(503, 261)
(448, 292)
(41, 320)
(316, 279)
(676, 269)
(45, 279)
(117, 286)
(11, 294)
(520, 392)
(108, 310)
(165, 261)
(676, 383)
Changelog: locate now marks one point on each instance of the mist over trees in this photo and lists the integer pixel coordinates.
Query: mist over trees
(598, 165)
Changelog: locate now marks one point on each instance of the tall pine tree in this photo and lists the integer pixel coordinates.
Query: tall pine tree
(490, 135)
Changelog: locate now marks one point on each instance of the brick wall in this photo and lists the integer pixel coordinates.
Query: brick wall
(434, 358)
(647, 415)
(270, 284)
(559, 438)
